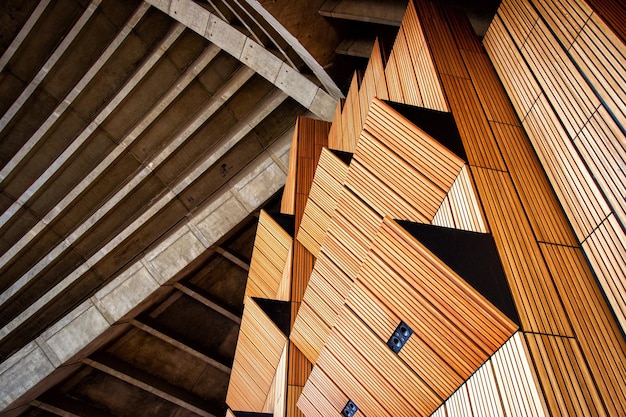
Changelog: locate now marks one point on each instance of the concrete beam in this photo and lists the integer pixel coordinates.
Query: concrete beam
(56, 55)
(207, 303)
(385, 13)
(149, 383)
(233, 258)
(64, 105)
(28, 26)
(24, 373)
(173, 92)
(214, 104)
(252, 54)
(159, 334)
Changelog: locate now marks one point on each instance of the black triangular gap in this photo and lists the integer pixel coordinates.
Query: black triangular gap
(286, 221)
(345, 157)
(473, 256)
(278, 311)
(251, 414)
(440, 125)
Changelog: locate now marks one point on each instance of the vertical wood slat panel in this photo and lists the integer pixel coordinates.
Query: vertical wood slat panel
(465, 208)
(351, 117)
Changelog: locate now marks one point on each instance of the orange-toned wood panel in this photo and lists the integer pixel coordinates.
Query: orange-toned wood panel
(533, 291)
(393, 79)
(259, 349)
(519, 17)
(536, 194)
(293, 393)
(335, 133)
(374, 83)
(321, 396)
(350, 117)
(406, 74)
(327, 185)
(598, 335)
(288, 201)
(568, 387)
(565, 17)
(613, 13)
(270, 259)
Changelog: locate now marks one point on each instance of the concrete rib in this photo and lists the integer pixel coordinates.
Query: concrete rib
(273, 100)
(56, 55)
(173, 92)
(71, 96)
(28, 26)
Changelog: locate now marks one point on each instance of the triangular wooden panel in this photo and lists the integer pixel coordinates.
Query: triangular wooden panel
(259, 348)
(398, 168)
(327, 184)
(270, 259)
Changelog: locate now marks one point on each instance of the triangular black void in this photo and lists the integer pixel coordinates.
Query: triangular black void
(278, 311)
(345, 157)
(286, 221)
(473, 256)
(440, 125)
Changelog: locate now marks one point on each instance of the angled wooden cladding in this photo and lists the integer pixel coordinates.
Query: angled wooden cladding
(258, 354)
(330, 175)
(271, 258)
(456, 330)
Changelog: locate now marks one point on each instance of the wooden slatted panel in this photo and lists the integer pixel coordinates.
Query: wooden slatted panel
(444, 217)
(376, 67)
(537, 196)
(328, 181)
(606, 250)
(321, 396)
(464, 205)
(381, 372)
(350, 118)
(533, 291)
(443, 48)
(458, 405)
(484, 396)
(599, 336)
(432, 299)
(521, 86)
(276, 401)
(423, 64)
(413, 145)
(613, 13)
(519, 16)
(406, 74)
(565, 17)
(569, 388)
(293, 394)
(288, 201)
(470, 120)
(393, 79)
(336, 130)
(270, 259)
(603, 147)
(580, 197)
(441, 412)
(573, 100)
(517, 382)
(491, 95)
(259, 349)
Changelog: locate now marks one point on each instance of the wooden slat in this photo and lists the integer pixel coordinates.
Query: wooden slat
(567, 384)
(293, 393)
(537, 196)
(336, 130)
(482, 389)
(393, 79)
(598, 335)
(565, 17)
(519, 16)
(606, 251)
(270, 258)
(288, 201)
(257, 356)
(464, 207)
(532, 288)
(579, 195)
(321, 396)
(613, 13)
(458, 404)
(351, 117)
(520, 84)
(406, 74)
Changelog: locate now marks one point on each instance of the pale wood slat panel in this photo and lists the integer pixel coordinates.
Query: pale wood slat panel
(536, 194)
(321, 396)
(393, 79)
(288, 201)
(603, 148)
(565, 17)
(270, 256)
(597, 333)
(351, 117)
(408, 82)
(464, 204)
(566, 382)
(444, 216)
(606, 250)
(613, 13)
(517, 381)
(519, 17)
(533, 291)
(259, 349)
(458, 405)
(335, 133)
(376, 67)
(327, 185)
(580, 197)
(520, 84)
(573, 100)
(484, 396)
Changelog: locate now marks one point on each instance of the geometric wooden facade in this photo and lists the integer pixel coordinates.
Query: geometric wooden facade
(518, 169)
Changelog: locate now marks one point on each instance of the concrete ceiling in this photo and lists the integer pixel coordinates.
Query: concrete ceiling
(127, 127)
